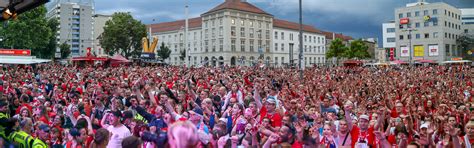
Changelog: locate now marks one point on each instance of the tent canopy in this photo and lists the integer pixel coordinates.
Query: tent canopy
(88, 59)
(119, 59)
(21, 60)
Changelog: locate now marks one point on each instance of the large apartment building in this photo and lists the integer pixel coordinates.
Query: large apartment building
(239, 33)
(75, 25)
(427, 31)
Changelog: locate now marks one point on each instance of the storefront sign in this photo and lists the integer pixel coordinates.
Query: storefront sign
(405, 52)
(433, 50)
(15, 52)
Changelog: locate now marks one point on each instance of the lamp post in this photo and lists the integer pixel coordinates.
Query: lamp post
(300, 57)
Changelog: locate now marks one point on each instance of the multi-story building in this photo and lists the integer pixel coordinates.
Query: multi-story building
(467, 18)
(330, 36)
(427, 31)
(75, 25)
(389, 40)
(99, 24)
(239, 33)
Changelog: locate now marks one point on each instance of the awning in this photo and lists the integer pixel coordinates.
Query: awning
(460, 61)
(398, 62)
(21, 60)
(425, 61)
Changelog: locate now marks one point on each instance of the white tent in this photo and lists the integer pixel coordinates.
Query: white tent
(21, 60)
(454, 62)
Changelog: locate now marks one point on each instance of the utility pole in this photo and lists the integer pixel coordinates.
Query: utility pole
(300, 57)
(186, 57)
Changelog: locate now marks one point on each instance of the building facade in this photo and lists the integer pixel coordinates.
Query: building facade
(238, 33)
(427, 31)
(75, 25)
(467, 18)
(99, 24)
(389, 41)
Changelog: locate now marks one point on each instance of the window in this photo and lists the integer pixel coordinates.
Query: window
(466, 30)
(251, 33)
(305, 38)
(233, 21)
(242, 32)
(427, 35)
(276, 46)
(400, 15)
(417, 36)
(435, 11)
(445, 24)
(251, 23)
(445, 35)
(389, 30)
(220, 21)
(401, 37)
(390, 40)
(417, 13)
(435, 22)
(232, 31)
(408, 14)
(282, 35)
(213, 32)
(232, 46)
(426, 24)
(221, 45)
(213, 23)
(409, 36)
(417, 25)
(310, 39)
(305, 48)
(242, 45)
(251, 45)
(242, 23)
(447, 50)
(267, 34)
(213, 45)
(282, 47)
(291, 37)
(276, 35)
(221, 31)
(425, 12)
(282, 60)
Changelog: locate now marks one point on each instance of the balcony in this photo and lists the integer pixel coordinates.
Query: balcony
(75, 28)
(75, 33)
(76, 22)
(75, 37)
(76, 17)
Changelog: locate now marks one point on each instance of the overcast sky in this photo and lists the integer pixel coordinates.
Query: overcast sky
(357, 18)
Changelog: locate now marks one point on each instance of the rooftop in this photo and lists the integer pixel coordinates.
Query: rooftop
(238, 5)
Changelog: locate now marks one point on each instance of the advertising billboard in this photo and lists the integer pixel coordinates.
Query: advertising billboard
(419, 51)
(404, 51)
(433, 50)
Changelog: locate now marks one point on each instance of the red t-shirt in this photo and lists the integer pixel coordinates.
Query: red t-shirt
(275, 119)
(368, 135)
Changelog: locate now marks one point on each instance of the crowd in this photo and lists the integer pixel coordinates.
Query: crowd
(330, 107)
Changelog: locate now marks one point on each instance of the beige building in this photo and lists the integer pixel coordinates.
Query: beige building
(239, 33)
(99, 24)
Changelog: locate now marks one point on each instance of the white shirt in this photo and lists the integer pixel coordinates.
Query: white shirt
(117, 135)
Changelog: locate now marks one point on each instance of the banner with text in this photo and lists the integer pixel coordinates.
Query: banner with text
(434, 50)
(405, 52)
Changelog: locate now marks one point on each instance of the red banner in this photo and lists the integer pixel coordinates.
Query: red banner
(15, 52)
(404, 21)
(392, 54)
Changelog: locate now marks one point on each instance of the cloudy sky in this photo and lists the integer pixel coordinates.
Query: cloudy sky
(357, 18)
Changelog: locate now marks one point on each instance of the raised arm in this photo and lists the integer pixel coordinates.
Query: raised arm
(347, 114)
(256, 97)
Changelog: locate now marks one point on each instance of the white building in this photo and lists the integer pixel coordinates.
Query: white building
(389, 40)
(99, 24)
(75, 25)
(467, 18)
(238, 33)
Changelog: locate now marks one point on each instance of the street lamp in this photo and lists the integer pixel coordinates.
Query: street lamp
(300, 57)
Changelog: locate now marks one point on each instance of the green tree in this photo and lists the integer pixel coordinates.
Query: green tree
(336, 50)
(50, 49)
(122, 34)
(164, 51)
(65, 50)
(357, 50)
(465, 42)
(31, 30)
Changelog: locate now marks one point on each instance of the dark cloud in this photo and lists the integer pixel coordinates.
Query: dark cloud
(358, 18)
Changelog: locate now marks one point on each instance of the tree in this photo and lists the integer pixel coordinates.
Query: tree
(164, 52)
(465, 42)
(50, 49)
(31, 30)
(123, 34)
(336, 50)
(358, 50)
(65, 50)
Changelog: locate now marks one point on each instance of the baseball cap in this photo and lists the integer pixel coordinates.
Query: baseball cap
(364, 117)
(271, 99)
(425, 125)
(44, 127)
(197, 110)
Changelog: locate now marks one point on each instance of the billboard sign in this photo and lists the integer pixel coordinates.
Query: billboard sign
(15, 52)
(419, 51)
(405, 52)
(433, 50)
(404, 20)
